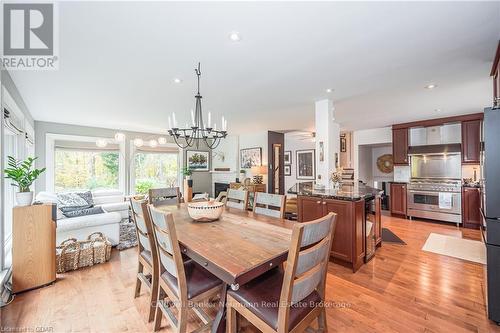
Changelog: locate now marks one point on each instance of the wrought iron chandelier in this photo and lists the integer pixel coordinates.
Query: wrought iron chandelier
(198, 132)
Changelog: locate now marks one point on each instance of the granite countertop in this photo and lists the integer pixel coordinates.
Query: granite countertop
(346, 192)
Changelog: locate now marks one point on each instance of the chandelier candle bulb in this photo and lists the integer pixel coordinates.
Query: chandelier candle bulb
(192, 118)
(169, 123)
(209, 119)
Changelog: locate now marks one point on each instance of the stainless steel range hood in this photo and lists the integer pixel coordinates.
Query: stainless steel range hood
(444, 139)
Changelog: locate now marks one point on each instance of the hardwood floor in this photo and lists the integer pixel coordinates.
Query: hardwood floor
(403, 289)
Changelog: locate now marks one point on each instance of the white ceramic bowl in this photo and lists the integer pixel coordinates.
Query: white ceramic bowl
(205, 211)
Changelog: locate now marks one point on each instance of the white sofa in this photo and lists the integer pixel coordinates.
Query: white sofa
(112, 202)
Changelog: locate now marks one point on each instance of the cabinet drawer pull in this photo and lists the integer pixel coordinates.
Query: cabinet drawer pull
(324, 203)
(318, 202)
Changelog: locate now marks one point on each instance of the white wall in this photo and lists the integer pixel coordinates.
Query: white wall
(365, 169)
(293, 144)
(368, 137)
(229, 147)
(377, 174)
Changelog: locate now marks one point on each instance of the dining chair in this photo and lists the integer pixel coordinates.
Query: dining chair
(269, 204)
(186, 285)
(222, 197)
(164, 196)
(147, 255)
(237, 199)
(297, 292)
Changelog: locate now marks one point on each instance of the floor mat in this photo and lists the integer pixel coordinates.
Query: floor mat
(390, 237)
(455, 247)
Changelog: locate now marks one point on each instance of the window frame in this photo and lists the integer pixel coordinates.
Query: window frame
(50, 140)
(166, 148)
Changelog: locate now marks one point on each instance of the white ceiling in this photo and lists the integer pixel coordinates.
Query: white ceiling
(118, 61)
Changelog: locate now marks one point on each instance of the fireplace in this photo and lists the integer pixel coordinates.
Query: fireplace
(220, 187)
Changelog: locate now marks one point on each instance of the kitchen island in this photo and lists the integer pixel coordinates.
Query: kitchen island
(358, 231)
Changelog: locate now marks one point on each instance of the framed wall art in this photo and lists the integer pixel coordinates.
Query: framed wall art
(306, 164)
(250, 157)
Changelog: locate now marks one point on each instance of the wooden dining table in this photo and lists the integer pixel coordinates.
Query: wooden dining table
(237, 248)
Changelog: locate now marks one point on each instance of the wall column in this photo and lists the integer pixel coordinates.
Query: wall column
(327, 140)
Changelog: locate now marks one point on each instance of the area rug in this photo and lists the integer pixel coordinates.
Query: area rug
(455, 247)
(390, 237)
(128, 236)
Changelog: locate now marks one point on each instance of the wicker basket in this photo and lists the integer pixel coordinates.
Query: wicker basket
(67, 255)
(73, 254)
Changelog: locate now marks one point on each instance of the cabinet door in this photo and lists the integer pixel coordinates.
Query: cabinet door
(400, 146)
(471, 141)
(471, 215)
(310, 208)
(342, 245)
(398, 199)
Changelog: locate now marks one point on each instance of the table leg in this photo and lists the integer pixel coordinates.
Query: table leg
(219, 323)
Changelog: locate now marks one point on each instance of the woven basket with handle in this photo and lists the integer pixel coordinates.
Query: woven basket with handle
(67, 255)
(73, 254)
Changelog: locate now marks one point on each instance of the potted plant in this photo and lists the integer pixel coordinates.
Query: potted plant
(187, 172)
(22, 175)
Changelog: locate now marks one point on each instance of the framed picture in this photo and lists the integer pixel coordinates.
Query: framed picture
(306, 164)
(288, 170)
(250, 157)
(288, 157)
(197, 160)
(343, 143)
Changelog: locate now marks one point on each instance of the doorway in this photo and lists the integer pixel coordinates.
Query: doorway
(276, 158)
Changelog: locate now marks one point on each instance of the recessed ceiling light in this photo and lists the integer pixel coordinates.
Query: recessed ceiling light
(177, 80)
(234, 36)
(329, 90)
(437, 110)
(431, 86)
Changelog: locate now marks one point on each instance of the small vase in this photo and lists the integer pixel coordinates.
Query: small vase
(24, 198)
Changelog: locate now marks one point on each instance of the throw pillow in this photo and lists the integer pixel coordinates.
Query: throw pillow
(71, 201)
(87, 196)
(84, 212)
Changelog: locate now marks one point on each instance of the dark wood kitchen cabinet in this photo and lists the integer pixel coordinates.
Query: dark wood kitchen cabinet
(495, 74)
(398, 199)
(400, 146)
(471, 141)
(471, 216)
(348, 247)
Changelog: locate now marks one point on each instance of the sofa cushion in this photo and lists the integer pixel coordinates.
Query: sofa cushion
(88, 221)
(109, 199)
(119, 207)
(87, 196)
(46, 197)
(106, 193)
(84, 211)
(71, 201)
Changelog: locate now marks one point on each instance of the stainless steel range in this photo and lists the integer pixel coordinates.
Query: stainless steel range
(435, 189)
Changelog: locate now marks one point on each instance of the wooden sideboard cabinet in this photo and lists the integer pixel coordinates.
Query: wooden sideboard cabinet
(471, 215)
(33, 246)
(398, 199)
(400, 146)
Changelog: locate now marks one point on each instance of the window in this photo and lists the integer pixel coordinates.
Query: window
(155, 169)
(76, 170)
